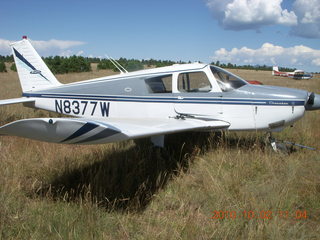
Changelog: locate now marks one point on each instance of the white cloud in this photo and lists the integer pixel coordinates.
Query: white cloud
(304, 19)
(45, 48)
(54, 44)
(250, 14)
(5, 47)
(316, 62)
(79, 53)
(308, 12)
(269, 54)
(66, 53)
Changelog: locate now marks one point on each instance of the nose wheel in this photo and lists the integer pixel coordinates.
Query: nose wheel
(276, 145)
(284, 146)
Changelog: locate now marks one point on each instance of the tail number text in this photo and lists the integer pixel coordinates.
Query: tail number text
(82, 107)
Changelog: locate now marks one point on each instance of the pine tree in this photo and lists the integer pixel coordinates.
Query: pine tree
(2, 67)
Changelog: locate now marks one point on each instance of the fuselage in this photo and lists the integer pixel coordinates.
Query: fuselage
(196, 90)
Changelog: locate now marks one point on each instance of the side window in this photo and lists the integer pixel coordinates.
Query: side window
(194, 82)
(226, 80)
(159, 84)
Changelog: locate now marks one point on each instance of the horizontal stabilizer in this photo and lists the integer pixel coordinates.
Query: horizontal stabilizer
(16, 100)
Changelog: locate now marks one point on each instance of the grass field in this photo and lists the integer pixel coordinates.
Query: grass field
(206, 187)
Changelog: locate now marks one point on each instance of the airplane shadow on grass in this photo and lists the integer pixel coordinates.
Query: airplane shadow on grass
(127, 180)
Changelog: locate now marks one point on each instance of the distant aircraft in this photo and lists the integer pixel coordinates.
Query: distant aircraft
(297, 74)
(148, 103)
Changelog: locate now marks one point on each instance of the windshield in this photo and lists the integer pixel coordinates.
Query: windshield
(226, 80)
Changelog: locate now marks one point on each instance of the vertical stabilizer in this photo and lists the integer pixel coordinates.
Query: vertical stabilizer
(33, 72)
(275, 70)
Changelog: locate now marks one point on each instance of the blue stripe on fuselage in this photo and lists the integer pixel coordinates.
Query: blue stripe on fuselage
(191, 100)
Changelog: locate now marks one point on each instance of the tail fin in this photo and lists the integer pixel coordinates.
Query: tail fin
(33, 72)
(275, 69)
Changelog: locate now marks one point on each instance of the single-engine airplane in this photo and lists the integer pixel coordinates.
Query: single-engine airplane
(148, 103)
(296, 74)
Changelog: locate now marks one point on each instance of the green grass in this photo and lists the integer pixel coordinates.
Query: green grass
(129, 191)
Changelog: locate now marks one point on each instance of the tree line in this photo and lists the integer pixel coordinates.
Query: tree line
(56, 64)
(134, 64)
(250, 67)
(60, 65)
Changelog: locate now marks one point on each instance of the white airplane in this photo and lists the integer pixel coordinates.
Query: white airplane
(296, 74)
(148, 103)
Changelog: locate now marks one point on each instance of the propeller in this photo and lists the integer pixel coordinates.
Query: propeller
(313, 102)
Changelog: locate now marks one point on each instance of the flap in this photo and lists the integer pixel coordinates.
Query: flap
(148, 127)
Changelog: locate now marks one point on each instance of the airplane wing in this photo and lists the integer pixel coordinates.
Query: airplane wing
(16, 100)
(97, 131)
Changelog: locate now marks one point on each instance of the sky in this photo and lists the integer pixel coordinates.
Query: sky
(256, 32)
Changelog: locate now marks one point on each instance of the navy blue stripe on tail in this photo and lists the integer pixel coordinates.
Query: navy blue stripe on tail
(25, 61)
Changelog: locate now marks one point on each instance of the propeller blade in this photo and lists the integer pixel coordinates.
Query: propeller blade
(313, 102)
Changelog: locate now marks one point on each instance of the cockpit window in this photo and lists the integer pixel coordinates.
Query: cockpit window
(159, 84)
(193, 82)
(226, 80)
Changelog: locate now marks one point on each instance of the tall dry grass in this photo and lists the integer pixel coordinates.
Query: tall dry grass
(132, 191)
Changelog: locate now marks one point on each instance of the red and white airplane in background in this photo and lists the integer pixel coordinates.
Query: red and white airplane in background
(296, 74)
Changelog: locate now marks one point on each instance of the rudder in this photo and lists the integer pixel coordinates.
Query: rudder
(33, 72)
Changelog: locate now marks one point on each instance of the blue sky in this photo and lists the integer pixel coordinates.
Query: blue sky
(284, 33)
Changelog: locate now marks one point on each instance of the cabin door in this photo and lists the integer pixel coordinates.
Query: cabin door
(194, 96)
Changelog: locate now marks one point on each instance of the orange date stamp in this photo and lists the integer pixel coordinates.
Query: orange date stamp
(264, 214)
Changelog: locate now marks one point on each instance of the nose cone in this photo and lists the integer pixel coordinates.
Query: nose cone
(313, 102)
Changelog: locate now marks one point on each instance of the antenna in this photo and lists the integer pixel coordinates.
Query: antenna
(117, 65)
